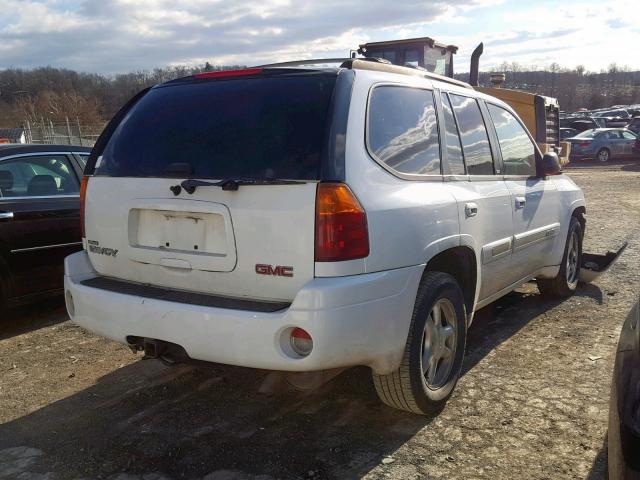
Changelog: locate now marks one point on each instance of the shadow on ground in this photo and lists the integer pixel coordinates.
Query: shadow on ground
(599, 470)
(27, 318)
(501, 320)
(187, 422)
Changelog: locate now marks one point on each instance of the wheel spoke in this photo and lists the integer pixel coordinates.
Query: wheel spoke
(447, 352)
(432, 370)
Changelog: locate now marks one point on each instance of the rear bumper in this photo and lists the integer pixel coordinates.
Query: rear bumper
(354, 320)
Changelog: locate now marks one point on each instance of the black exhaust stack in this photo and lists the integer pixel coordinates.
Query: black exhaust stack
(474, 68)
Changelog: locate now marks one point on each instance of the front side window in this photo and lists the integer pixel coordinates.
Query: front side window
(37, 176)
(629, 136)
(402, 130)
(473, 133)
(518, 151)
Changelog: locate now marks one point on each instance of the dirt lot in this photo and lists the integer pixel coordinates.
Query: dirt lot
(532, 402)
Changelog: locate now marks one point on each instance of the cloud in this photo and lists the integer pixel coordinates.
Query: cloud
(120, 35)
(111, 36)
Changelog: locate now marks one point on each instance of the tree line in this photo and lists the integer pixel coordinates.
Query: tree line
(50, 94)
(574, 88)
(55, 94)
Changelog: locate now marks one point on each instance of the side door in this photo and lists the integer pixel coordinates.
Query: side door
(629, 143)
(39, 219)
(535, 201)
(484, 201)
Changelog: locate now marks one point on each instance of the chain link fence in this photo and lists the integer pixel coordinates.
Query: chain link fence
(69, 132)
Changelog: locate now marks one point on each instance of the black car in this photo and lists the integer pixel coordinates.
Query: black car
(634, 125)
(39, 217)
(568, 133)
(624, 403)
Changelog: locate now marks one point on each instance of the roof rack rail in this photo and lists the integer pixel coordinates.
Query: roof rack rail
(319, 61)
(371, 63)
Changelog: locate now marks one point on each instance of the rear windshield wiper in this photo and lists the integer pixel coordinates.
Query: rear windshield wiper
(229, 184)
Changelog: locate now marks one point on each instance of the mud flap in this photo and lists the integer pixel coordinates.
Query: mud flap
(595, 265)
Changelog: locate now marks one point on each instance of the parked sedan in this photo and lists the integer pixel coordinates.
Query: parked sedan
(602, 144)
(39, 217)
(624, 403)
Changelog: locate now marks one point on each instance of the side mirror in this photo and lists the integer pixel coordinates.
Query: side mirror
(549, 165)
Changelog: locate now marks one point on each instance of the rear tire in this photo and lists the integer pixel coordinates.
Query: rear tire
(603, 155)
(565, 283)
(434, 351)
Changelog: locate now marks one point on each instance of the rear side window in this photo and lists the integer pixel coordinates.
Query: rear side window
(402, 130)
(256, 128)
(518, 151)
(473, 133)
(454, 148)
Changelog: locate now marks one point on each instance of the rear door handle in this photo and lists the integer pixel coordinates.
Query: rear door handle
(470, 209)
(520, 202)
(6, 215)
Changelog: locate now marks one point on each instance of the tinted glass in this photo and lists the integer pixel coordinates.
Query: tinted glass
(264, 128)
(612, 135)
(403, 131)
(412, 57)
(587, 134)
(475, 142)
(518, 151)
(37, 176)
(454, 148)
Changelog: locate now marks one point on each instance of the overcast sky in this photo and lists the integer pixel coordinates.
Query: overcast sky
(111, 36)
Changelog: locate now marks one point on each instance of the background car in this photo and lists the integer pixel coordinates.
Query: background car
(39, 217)
(624, 403)
(634, 125)
(614, 118)
(568, 133)
(603, 144)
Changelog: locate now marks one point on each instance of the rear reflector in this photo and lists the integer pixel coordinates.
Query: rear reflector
(229, 73)
(301, 342)
(83, 194)
(341, 224)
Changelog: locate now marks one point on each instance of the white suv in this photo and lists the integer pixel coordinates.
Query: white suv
(302, 219)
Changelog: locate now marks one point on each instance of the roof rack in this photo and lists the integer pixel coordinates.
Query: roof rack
(320, 61)
(371, 63)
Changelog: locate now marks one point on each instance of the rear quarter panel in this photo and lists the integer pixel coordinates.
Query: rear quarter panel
(409, 221)
(571, 197)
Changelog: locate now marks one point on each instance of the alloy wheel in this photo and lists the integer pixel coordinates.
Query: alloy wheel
(439, 342)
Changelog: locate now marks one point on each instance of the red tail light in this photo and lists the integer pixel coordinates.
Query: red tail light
(341, 224)
(83, 194)
(584, 144)
(229, 73)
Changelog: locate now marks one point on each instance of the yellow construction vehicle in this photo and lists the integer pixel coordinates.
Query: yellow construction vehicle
(540, 114)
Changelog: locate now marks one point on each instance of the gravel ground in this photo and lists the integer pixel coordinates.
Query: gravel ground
(532, 402)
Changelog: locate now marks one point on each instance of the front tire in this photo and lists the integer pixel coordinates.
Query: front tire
(565, 283)
(434, 351)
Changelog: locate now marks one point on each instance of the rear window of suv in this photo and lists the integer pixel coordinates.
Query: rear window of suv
(254, 128)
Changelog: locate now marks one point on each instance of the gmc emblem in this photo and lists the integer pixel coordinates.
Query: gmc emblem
(275, 270)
